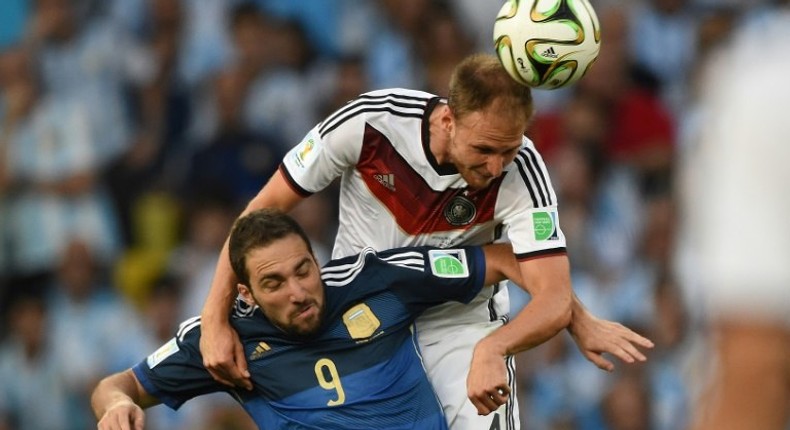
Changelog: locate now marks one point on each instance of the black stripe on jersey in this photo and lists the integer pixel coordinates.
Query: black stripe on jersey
(367, 99)
(294, 186)
(510, 406)
(394, 95)
(491, 308)
(541, 253)
(367, 103)
(521, 170)
(533, 180)
(540, 170)
(323, 132)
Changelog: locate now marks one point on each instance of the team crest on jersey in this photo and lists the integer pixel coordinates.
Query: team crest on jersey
(460, 211)
(360, 321)
(544, 224)
(260, 349)
(449, 263)
(304, 153)
(166, 350)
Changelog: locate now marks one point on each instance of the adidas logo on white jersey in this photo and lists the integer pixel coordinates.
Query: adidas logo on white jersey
(550, 53)
(386, 179)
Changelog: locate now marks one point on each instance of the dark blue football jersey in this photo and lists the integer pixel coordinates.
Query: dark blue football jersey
(362, 370)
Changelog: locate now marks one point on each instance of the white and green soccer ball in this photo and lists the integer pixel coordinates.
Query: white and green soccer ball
(547, 44)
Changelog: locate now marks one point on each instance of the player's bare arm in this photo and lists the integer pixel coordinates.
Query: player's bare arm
(220, 346)
(548, 282)
(595, 336)
(118, 402)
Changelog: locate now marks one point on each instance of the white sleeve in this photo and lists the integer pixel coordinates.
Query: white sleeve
(324, 154)
(528, 205)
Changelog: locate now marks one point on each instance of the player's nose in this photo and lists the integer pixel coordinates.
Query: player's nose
(297, 292)
(495, 164)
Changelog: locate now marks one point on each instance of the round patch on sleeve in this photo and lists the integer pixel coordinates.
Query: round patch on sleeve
(449, 263)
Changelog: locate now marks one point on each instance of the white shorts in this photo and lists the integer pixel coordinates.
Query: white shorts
(447, 353)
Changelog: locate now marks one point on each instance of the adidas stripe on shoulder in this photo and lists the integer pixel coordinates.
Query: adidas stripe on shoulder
(397, 104)
(533, 173)
(338, 275)
(186, 326)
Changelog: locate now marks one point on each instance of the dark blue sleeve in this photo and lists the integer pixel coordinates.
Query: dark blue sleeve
(426, 276)
(174, 373)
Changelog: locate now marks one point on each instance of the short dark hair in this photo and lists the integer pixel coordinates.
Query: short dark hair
(257, 230)
(480, 80)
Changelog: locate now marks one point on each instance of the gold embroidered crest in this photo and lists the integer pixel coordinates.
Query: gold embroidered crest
(360, 321)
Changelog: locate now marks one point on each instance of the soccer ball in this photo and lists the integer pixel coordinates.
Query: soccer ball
(547, 44)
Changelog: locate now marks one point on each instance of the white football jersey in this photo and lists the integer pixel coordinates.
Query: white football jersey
(393, 193)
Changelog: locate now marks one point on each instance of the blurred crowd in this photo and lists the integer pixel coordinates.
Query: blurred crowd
(132, 132)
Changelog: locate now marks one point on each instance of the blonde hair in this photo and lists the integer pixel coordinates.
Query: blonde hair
(479, 81)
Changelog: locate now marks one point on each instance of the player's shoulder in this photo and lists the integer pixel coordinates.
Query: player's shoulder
(389, 105)
(343, 271)
(527, 177)
(528, 158)
(416, 258)
(385, 109)
(395, 93)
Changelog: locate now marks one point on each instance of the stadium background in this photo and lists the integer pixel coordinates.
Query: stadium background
(133, 131)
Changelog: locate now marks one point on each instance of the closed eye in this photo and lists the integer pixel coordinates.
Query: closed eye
(271, 285)
(304, 269)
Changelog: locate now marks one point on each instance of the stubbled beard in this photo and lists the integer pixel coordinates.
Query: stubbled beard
(300, 334)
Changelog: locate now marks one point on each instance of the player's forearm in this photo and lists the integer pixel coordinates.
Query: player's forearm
(113, 390)
(539, 321)
(223, 292)
(550, 310)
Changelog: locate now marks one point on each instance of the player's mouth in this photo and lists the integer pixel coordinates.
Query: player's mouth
(306, 312)
(483, 177)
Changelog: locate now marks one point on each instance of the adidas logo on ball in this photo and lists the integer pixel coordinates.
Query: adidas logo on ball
(547, 44)
(549, 53)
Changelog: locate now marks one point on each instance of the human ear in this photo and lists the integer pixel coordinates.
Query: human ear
(246, 294)
(448, 120)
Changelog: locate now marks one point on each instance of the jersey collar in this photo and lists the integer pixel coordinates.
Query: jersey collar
(441, 170)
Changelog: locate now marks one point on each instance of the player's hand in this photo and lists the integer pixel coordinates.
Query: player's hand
(486, 384)
(223, 355)
(124, 415)
(595, 336)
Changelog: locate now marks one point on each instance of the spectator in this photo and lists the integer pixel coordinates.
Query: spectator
(31, 371)
(88, 318)
(390, 54)
(53, 185)
(236, 160)
(659, 27)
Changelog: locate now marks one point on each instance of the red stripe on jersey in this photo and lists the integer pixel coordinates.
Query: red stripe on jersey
(415, 206)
